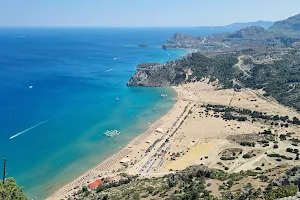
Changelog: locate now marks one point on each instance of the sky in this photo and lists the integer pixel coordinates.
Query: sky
(142, 13)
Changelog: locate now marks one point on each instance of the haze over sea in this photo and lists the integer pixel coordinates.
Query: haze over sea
(58, 89)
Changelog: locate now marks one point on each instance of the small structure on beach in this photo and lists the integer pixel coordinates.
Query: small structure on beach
(148, 141)
(125, 160)
(160, 130)
(130, 175)
(95, 184)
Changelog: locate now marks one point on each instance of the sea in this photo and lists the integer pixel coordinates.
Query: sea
(58, 90)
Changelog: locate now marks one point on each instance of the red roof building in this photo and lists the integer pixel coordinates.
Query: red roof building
(129, 175)
(95, 184)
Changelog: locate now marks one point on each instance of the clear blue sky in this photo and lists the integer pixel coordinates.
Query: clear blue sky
(142, 12)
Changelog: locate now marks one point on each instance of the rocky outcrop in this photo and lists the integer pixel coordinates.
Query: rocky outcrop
(155, 75)
(191, 68)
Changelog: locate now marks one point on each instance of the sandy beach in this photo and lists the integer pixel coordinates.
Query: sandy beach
(187, 135)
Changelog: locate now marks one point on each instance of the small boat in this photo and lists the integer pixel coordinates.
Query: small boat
(117, 99)
(163, 95)
(31, 86)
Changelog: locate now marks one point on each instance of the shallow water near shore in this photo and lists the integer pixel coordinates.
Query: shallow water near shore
(58, 96)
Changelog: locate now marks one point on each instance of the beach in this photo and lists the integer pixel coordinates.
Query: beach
(185, 136)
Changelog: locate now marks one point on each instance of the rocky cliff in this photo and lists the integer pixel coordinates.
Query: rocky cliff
(156, 75)
(193, 67)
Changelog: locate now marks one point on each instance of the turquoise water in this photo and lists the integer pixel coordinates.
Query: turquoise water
(75, 75)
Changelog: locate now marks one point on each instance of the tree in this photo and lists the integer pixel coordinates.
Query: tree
(296, 120)
(11, 191)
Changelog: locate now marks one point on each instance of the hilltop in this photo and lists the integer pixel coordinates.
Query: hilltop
(290, 26)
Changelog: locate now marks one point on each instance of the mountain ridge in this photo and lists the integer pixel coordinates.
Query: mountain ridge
(238, 25)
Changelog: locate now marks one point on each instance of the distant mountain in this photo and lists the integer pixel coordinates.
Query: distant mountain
(290, 26)
(236, 26)
(281, 33)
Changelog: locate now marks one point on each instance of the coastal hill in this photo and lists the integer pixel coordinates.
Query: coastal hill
(236, 26)
(290, 26)
(252, 57)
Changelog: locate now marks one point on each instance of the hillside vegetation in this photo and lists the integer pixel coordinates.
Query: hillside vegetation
(199, 182)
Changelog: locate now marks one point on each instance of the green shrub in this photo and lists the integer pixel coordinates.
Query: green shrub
(251, 173)
(227, 158)
(246, 156)
(281, 192)
(276, 155)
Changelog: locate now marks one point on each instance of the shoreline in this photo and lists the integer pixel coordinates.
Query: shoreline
(186, 135)
(93, 173)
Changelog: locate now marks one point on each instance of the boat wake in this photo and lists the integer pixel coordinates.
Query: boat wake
(168, 54)
(108, 70)
(116, 58)
(20, 133)
(130, 45)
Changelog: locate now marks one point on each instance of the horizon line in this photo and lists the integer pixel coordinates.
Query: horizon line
(100, 26)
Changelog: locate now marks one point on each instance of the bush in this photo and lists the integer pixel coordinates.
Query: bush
(227, 158)
(267, 132)
(258, 168)
(281, 192)
(246, 143)
(275, 155)
(251, 173)
(246, 156)
(226, 168)
(242, 119)
(275, 146)
(263, 178)
(150, 189)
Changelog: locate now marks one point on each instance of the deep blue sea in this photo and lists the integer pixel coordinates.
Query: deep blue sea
(58, 88)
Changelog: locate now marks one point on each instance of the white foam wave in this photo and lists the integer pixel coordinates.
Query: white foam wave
(108, 70)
